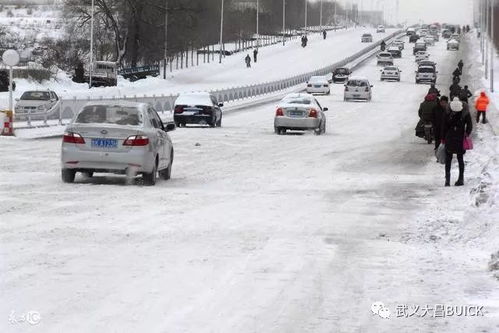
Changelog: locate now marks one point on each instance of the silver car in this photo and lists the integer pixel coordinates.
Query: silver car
(358, 88)
(318, 85)
(385, 59)
(391, 73)
(300, 112)
(117, 137)
(37, 104)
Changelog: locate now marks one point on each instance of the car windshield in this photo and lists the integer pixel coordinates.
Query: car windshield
(357, 83)
(36, 96)
(390, 68)
(110, 114)
(317, 79)
(366, 35)
(341, 71)
(426, 69)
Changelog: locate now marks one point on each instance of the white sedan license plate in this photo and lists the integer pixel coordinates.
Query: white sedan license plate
(105, 143)
(296, 114)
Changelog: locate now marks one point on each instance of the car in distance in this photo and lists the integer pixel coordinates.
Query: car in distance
(300, 112)
(37, 104)
(429, 40)
(426, 73)
(400, 44)
(390, 73)
(318, 85)
(410, 31)
(419, 46)
(117, 137)
(395, 51)
(456, 36)
(367, 38)
(341, 74)
(422, 55)
(358, 88)
(380, 29)
(199, 108)
(384, 59)
(446, 34)
(453, 45)
(413, 38)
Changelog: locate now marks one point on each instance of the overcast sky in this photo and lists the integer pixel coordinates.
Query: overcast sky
(451, 11)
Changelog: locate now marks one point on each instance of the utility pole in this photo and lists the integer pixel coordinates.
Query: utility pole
(487, 42)
(257, 24)
(482, 28)
(283, 22)
(166, 39)
(91, 70)
(334, 16)
(306, 15)
(221, 31)
(492, 47)
(320, 16)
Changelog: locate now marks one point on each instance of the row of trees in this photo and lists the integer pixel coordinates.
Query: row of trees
(132, 32)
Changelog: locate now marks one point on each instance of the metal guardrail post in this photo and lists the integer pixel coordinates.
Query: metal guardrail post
(29, 117)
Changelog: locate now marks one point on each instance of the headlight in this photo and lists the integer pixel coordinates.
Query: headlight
(41, 108)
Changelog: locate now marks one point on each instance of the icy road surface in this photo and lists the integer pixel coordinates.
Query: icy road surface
(255, 232)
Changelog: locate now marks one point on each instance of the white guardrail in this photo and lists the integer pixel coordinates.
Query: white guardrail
(69, 107)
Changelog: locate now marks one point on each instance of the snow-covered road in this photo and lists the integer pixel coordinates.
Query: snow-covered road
(255, 232)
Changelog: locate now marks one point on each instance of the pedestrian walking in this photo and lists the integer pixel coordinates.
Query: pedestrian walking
(454, 90)
(456, 75)
(324, 34)
(248, 61)
(456, 127)
(465, 94)
(481, 105)
(439, 112)
(255, 55)
(460, 65)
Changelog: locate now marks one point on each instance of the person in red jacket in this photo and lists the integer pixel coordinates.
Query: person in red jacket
(481, 106)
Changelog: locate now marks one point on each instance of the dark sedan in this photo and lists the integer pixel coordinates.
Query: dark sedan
(198, 108)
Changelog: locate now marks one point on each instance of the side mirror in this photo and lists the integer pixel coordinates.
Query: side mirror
(372, 86)
(325, 109)
(17, 99)
(170, 127)
(220, 104)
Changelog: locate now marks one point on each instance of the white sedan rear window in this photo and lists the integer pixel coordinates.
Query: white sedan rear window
(110, 114)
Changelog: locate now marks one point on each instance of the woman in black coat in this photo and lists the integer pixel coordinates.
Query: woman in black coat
(456, 124)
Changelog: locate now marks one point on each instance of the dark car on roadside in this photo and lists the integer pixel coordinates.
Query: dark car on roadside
(200, 108)
(341, 74)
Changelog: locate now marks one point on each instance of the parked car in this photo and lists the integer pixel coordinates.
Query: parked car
(385, 58)
(199, 108)
(358, 88)
(300, 112)
(380, 29)
(429, 40)
(419, 46)
(452, 45)
(37, 104)
(341, 74)
(117, 137)
(367, 38)
(426, 73)
(422, 55)
(395, 51)
(318, 85)
(390, 73)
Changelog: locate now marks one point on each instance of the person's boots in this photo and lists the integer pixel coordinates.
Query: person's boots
(460, 180)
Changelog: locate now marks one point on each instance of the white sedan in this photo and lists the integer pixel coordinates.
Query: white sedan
(300, 112)
(117, 137)
(318, 85)
(391, 73)
(422, 55)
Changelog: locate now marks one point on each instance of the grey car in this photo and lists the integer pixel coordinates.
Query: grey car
(358, 88)
(37, 104)
(117, 137)
(300, 112)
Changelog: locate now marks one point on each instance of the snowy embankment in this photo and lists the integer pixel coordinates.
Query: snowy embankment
(274, 63)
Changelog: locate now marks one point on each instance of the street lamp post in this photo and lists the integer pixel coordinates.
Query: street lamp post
(91, 70)
(487, 42)
(221, 30)
(306, 15)
(320, 16)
